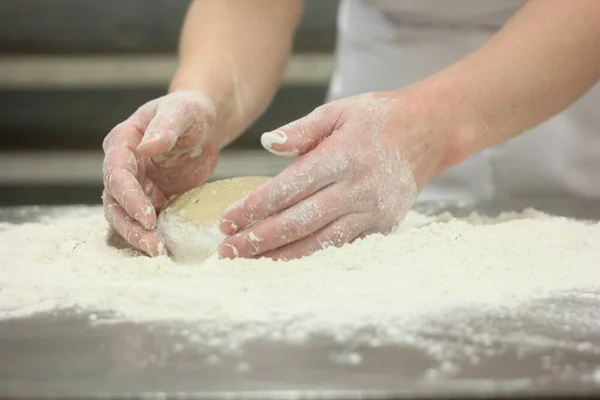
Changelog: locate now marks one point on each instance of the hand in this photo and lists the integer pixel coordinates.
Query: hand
(165, 148)
(364, 160)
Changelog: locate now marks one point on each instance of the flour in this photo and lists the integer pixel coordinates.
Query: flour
(187, 241)
(429, 266)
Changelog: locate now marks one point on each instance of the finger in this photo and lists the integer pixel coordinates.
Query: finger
(145, 240)
(174, 118)
(295, 183)
(338, 233)
(120, 169)
(290, 225)
(301, 136)
(129, 133)
(180, 174)
(123, 135)
(156, 196)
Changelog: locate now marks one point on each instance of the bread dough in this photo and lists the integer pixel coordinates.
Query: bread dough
(189, 224)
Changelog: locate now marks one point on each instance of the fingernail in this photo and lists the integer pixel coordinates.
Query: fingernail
(228, 227)
(270, 138)
(148, 137)
(277, 137)
(229, 248)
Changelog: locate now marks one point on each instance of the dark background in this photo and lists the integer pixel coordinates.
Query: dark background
(79, 117)
(66, 118)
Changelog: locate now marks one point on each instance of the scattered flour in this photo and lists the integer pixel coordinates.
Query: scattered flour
(429, 266)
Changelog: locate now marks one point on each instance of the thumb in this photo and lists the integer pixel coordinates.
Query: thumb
(301, 136)
(177, 115)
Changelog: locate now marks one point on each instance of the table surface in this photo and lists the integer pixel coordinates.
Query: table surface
(539, 352)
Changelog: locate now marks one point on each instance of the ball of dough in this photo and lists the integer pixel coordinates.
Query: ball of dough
(189, 224)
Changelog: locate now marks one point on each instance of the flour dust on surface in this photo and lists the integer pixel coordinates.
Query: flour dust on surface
(432, 275)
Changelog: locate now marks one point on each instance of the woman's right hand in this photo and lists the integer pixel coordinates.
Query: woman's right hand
(165, 148)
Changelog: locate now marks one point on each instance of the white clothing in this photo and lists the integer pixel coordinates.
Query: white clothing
(388, 44)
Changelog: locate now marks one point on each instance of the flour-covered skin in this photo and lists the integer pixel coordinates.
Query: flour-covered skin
(164, 148)
(363, 161)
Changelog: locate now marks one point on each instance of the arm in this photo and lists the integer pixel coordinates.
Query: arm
(543, 60)
(235, 52)
(365, 158)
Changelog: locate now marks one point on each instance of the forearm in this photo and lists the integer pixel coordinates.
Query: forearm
(543, 60)
(235, 51)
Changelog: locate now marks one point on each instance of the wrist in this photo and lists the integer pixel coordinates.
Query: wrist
(456, 125)
(220, 93)
(189, 81)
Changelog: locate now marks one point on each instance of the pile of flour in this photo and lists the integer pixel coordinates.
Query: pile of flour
(430, 265)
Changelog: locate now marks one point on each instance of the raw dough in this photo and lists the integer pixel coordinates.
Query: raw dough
(189, 224)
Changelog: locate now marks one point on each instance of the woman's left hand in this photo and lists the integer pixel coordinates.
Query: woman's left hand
(362, 162)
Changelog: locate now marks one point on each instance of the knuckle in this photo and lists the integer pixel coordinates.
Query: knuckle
(202, 102)
(105, 199)
(112, 138)
(110, 175)
(106, 168)
(109, 162)
(385, 209)
(188, 107)
(121, 158)
(363, 196)
(117, 139)
(362, 161)
(191, 104)
(284, 190)
(294, 226)
(110, 214)
(107, 143)
(107, 179)
(330, 162)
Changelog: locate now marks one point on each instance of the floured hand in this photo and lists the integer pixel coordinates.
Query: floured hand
(164, 148)
(363, 161)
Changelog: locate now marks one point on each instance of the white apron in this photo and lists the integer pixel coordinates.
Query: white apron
(388, 44)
